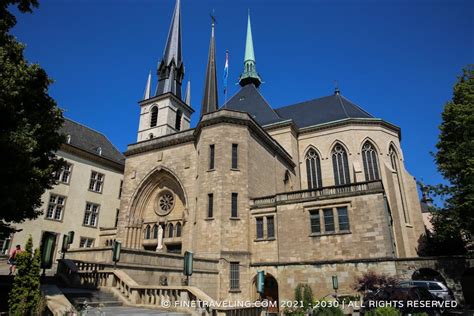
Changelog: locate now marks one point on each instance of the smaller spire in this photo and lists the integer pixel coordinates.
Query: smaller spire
(209, 100)
(337, 91)
(188, 94)
(250, 74)
(146, 95)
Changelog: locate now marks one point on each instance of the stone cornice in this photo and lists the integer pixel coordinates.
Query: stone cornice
(222, 116)
(93, 157)
(164, 96)
(333, 124)
(352, 121)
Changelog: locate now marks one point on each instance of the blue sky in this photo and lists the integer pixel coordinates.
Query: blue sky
(396, 59)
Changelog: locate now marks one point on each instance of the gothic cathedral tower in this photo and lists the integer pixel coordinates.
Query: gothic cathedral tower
(166, 112)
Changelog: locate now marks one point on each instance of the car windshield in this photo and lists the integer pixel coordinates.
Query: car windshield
(421, 284)
(435, 287)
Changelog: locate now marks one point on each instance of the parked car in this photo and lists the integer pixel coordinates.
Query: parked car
(403, 298)
(434, 287)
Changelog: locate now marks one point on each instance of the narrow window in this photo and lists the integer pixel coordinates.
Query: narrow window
(155, 231)
(234, 205)
(170, 230)
(369, 159)
(147, 232)
(178, 230)
(211, 156)
(120, 189)
(259, 227)
(179, 116)
(55, 207)
(117, 213)
(313, 170)
(210, 205)
(154, 116)
(270, 227)
(96, 182)
(91, 214)
(328, 220)
(315, 222)
(234, 276)
(234, 156)
(343, 218)
(394, 161)
(340, 165)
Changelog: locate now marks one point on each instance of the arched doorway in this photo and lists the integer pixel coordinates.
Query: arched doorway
(427, 274)
(467, 284)
(270, 292)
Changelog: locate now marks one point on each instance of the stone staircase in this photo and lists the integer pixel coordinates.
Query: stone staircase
(99, 302)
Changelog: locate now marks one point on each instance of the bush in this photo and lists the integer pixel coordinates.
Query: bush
(384, 311)
(25, 295)
(328, 311)
(371, 281)
(303, 293)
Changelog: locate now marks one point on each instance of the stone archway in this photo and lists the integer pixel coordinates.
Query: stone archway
(270, 292)
(158, 201)
(427, 274)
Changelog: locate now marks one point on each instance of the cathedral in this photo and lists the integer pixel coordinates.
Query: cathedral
(306, 192)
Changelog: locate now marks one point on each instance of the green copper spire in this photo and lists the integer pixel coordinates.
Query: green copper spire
(249, 74)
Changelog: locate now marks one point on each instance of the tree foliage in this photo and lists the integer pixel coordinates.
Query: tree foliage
(25, 296)
(371, 281)
(29, 126)
(453, 222)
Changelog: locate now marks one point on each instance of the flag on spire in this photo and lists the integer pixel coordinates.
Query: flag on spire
(226, 70)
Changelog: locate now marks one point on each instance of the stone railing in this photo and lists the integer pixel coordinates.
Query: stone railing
(358, 188)
(187, 299)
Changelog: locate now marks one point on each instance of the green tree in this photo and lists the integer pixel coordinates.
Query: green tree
(25, 296)
(29, 126)
(453, 222)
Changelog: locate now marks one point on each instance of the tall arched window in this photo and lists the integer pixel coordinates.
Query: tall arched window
(370, 161)
(153, 116)
(155, 231)
(393, 158)
(313, 169)
(147, 232)
(170, 230)
(178, 230)
(340, 165)
(179, 116)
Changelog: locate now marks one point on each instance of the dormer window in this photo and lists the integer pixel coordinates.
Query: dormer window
(99, 151)
(68, 139)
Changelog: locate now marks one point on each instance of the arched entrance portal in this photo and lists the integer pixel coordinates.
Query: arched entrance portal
(270, 292)
(427, 274)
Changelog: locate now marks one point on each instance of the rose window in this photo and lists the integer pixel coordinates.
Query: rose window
(166, 202)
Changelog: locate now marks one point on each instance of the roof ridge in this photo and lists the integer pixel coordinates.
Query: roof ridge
(356, 106)
(273, 110)
(338, 96)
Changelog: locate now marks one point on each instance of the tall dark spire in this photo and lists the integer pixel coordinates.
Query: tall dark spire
(171, 67)
(250, 74)
(209, 100)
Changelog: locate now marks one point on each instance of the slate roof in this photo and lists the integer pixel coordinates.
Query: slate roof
(322, 110)
(249, 100)
(90, 140)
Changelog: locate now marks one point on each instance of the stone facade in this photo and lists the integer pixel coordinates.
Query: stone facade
(270, 183)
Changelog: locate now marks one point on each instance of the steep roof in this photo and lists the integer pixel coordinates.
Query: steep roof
(249, 100)
(322, 110)
(90, 140)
